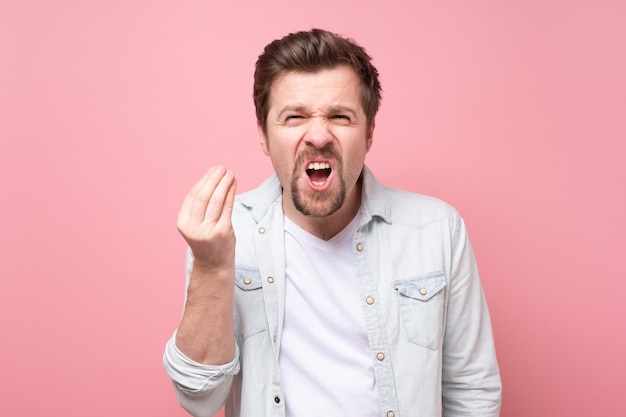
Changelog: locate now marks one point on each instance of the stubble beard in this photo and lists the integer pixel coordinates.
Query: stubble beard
(318, 204)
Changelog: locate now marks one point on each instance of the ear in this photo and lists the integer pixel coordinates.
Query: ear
(369, 137)
(264, 144)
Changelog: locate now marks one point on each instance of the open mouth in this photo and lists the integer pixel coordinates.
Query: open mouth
(318, 172)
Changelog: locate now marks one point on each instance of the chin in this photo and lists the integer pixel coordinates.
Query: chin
(318, 205)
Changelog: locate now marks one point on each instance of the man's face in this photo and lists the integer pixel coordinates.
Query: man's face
(317, 138)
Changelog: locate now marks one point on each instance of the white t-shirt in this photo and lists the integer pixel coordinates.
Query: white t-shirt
(325, 360)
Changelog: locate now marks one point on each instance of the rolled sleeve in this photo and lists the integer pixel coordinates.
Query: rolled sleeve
(201, 389)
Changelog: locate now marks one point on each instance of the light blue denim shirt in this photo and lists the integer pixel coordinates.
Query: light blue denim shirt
(425, 313)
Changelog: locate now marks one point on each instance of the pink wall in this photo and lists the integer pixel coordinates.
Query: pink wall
(515, 112)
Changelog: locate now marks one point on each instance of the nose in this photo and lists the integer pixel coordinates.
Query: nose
(318, 134)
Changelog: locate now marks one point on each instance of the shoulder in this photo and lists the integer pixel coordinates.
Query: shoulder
(416, 209)
(398, 206)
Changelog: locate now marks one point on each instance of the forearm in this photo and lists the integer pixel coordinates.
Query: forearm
(206, 333)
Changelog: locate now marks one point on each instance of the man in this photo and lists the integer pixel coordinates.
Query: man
(322, 292)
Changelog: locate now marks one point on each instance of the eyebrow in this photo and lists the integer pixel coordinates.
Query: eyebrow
(300, 108)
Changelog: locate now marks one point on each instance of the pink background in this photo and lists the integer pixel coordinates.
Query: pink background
(515, 112)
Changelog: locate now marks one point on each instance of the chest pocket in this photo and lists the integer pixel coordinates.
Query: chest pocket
(421, 303)
(249, 306)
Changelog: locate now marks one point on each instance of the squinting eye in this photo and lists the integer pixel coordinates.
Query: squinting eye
(340, 117)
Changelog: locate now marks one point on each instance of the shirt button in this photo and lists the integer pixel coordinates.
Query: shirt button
(261, 230)
(423, 291)
(369, 300)
(390, 414)
(380, 356)
(270, 280)
(359, 247)
(247, 281)
(277, 401)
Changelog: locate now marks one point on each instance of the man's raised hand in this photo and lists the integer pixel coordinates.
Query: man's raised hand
(204, 219)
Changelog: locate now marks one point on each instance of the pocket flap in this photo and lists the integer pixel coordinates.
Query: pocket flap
(422, 287)
(247, 279)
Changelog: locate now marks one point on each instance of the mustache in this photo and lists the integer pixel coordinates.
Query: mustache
(323, 153)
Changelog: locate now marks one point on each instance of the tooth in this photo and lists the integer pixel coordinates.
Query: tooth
(318, 165)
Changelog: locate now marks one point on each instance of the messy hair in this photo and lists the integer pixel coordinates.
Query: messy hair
(313, 51)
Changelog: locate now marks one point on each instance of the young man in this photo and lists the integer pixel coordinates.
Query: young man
(322, 292)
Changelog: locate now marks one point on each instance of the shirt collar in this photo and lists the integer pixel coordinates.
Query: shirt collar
(373, 202)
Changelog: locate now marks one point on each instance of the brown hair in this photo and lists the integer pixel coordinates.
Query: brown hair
(313, 51)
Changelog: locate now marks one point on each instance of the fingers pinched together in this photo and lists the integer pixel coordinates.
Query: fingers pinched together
(204, 219)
